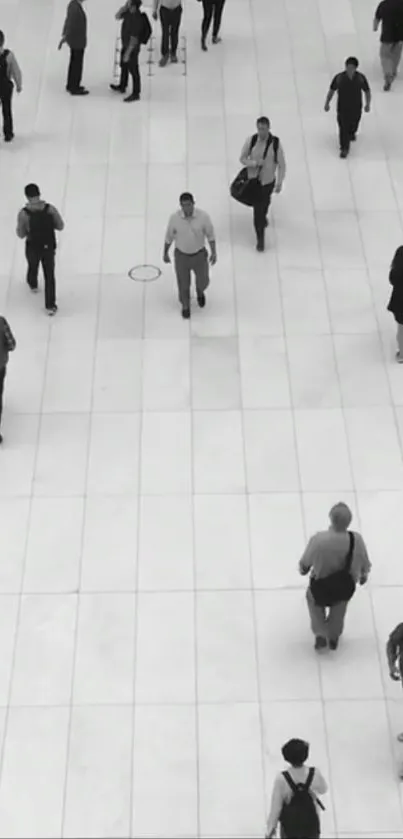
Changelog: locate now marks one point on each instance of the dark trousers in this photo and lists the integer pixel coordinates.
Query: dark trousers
(134, 70)
(6, 96)
(170, 22)
(2, 380)
(46, 258)
(75, 71)
(124, 73)
(261, 208)
(348, 122)
(185, 263)
(213, 10)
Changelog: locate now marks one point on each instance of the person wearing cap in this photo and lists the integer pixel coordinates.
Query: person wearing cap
(170, 12)
(325, 555)
(7, 345)
(190, 229)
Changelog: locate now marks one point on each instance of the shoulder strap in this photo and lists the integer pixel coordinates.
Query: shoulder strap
(253, 142)
(349, 557)
(290, 781)
(276, 143)
(309, 779)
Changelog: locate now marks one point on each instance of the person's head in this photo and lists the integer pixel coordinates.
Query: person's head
(187, 203)
(2, 39)
(32, 192)
(263, 128)
(134, 5)
(351, 66)
(340, 516)
(295, 752)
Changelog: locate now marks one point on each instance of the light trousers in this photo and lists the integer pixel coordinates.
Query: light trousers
(390, 55)
(326, 623)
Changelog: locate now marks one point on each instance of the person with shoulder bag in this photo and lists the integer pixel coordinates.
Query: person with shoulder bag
(263, 158)
(295, 804)
(337, 559)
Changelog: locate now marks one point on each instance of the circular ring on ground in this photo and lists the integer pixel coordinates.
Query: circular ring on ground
(145, 273)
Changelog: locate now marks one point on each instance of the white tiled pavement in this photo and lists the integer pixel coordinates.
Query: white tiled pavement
(158, 479)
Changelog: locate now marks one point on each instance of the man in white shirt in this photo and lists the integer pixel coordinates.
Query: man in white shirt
(263, 156)
(189, 228)
(170, 17)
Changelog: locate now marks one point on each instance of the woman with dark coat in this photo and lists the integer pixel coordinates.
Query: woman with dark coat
(395, 304)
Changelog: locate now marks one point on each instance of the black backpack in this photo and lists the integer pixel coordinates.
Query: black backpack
(338, 587)
(299, 818)
(41, 234)
(5, 81)
(146, 30)
(272, 140)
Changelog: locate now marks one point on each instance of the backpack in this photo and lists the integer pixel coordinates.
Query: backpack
(5, 80)
(41, 233)
(299, 818)
(146, 30)
(338, 587)
(272, 139)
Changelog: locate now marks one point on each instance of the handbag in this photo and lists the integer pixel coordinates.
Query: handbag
(247, 190)
(338, 587)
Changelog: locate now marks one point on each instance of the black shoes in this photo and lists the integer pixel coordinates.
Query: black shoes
(164, 61)
(8, 138)
(388, 84)
(1, 439)
(185, 313)
(260, 244)
(201, 299)
(203, 45)
(216, 39)
(81, 91)
(174, 58)
(117, 88)
(52, 311)
(320, 643)
(132, 98)
(334, 644)
(343, 153)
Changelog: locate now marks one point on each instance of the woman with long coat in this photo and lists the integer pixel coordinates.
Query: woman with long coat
(395, 304)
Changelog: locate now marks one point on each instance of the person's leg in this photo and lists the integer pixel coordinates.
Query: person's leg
(6, 106)
(335, 622)
(201, 269)
(399, 337)
(70, 72)
(2, 380)
(124, 75)
(218, 10)
(134, 71)
(260, 211)
(183, 269)
(165, 18)
(33, 260)
(385, 53)
(396, 57)
(344, 132)
(75, 70)
(48, 267)
(317, 615)
(175, 26)
(208, 9)
(355, 119)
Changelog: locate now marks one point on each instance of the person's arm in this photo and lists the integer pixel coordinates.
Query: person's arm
(9, 339)
(332, 90)
(377, 18)
(367, 94)
(305, 563)
(169, 238)
(281, 168)
(363, 565)
(68, 24)
(14, 71)
(210, 236)
(245, 157)
(275, 807)
(57, 219)
(22, 225)
(120, 12)
(319, 785)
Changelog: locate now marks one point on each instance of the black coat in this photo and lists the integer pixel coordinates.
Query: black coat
(395, 304)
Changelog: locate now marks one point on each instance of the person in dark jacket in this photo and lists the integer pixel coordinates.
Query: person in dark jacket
(395, 304)
(124, 14)
(349, 85)
(75, 36)
(10, 75)
(131, 53)
(7, 345)
(36, 223)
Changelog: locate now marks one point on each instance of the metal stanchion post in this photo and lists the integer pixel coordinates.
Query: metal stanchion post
(184, 54)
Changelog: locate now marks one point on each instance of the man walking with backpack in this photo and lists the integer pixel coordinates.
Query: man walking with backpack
(295, 803)
(138, 33)
(37, 223)
(337, 559)
(7, 345)
(263, 157)
(10, 74)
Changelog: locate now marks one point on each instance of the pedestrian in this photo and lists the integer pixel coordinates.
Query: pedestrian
(394, 654)
(139, 32)
(337, 559)
(390, 14)
(75, 36)
(263, 156)
(10, 74)
(37, 223)
(212, 11)
(7, 345)
(295, 804)
(349, 86)
(395, 304)
(189, 228)
(170, 12)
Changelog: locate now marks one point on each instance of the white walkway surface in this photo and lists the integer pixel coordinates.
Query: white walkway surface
(159, 479)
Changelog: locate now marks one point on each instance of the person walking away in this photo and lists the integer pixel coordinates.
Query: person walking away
(189, 229)
(263, 156)
(395, 304)
(10, 75)
(390, 14)
(337, 559)
(349, 86)
(394, 654)
(75, 36)
(170, 12)
(37, 223)
(212, 12)
(295, 804)
(139, 32)
(7, 345)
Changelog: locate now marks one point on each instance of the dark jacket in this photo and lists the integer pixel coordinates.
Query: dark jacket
(75, 26)
(7, 342)
(394, 648)
(395, 304)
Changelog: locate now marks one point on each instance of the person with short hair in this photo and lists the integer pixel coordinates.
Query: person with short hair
(37, 223)
(170, 12)
(190, 228)
(263, 156)
(7, 345)
(75, 36)
(10, 75)
(324, 556)
(394, 654)
(349, 85)
(295, 752)
(390, 14)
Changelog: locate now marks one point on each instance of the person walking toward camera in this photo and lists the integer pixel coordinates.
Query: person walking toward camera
(7, 345)
(10, 75)
(395, 304)
(390, 14)
(337, 560)
(37, 223)
(170, 12)
(75, 36)
(349, 85)
(263, 156)
(295, 804)
(190, 228)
